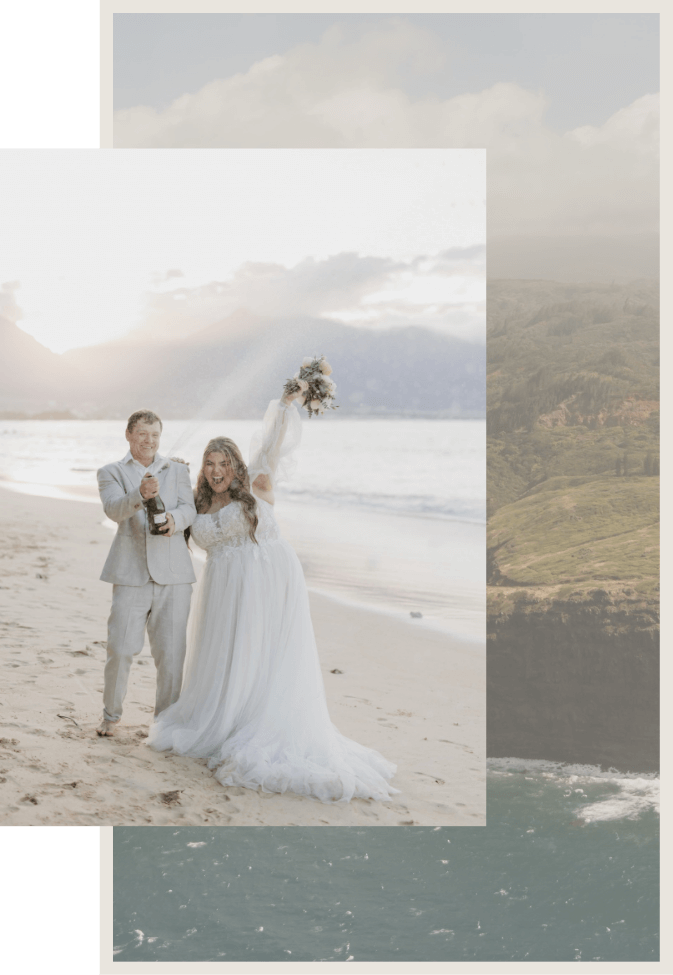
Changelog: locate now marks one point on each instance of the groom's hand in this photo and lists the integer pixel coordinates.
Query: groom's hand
(167, 532)
(149, 487)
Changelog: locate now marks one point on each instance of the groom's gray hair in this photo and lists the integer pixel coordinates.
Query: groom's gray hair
(146, 416)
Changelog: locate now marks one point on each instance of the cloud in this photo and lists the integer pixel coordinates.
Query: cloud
(453, 254)
(444, 292)
(342, 91)
(634, 128)
(349, 92)
(600, 180)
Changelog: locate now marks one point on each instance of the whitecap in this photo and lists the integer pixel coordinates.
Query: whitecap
(635, 797)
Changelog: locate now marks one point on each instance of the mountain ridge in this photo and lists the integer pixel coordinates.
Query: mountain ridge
(402, 371)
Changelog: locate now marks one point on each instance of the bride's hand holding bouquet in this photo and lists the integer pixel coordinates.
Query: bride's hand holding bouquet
(298, 394)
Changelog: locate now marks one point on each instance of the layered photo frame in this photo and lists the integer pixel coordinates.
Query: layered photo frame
(409, 713)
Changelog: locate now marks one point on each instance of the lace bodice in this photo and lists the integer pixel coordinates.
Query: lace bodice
(271, 450)
(227, 529)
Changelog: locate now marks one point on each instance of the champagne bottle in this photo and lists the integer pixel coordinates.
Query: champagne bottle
(156, 514)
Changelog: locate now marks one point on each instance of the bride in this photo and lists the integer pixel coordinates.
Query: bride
(253, 701)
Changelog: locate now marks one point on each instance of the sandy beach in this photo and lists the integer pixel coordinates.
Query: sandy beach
(415, 694)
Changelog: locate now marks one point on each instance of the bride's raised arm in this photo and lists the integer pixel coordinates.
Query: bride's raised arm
(272, 447)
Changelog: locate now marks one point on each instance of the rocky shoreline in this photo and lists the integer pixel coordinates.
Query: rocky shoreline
(574, 680)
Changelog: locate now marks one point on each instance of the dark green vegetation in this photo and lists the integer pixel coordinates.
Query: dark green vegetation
(573, 381)
(573, 498)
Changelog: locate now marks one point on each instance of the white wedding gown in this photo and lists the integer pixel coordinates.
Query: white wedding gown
(253, 701)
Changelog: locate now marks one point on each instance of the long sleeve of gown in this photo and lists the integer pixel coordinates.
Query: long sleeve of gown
(273, 447)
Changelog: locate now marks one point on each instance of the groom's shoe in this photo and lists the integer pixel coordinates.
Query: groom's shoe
(106, 729)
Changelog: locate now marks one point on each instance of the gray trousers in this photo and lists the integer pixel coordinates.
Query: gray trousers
(163, 610)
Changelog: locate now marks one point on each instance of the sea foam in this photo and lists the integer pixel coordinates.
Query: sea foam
(614, 795)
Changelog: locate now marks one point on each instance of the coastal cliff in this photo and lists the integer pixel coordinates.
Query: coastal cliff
(575, 680)
(573, 533)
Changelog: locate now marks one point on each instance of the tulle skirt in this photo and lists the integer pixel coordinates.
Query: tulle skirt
(253, 700)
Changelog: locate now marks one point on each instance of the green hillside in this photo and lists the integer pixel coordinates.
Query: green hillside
(571, 534)
(573, 383)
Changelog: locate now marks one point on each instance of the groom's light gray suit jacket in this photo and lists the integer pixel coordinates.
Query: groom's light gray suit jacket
(136, 556)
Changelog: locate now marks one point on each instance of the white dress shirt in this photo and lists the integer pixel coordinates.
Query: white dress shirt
(140, 469)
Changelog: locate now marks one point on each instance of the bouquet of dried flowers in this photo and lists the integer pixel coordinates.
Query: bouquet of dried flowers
(314, 382)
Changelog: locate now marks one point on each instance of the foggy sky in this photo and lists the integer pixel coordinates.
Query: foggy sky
(588, 65)
(567, 106)
(97, 243)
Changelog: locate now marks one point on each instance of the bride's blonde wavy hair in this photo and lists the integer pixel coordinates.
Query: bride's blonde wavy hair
(239, 489)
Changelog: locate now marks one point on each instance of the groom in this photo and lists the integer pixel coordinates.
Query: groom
(151, 575)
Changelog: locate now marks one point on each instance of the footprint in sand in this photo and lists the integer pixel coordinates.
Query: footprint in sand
(429, 776)
(70, 785)
(170, 798)
(67, 734)
(446, 741)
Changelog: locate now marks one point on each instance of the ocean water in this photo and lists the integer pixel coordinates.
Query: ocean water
(388, 514)
(566, 870)
(427, 467)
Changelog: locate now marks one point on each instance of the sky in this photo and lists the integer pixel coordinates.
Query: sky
(614, 58)
(97, 243)
(566, 105)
